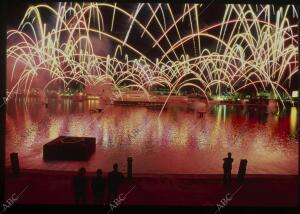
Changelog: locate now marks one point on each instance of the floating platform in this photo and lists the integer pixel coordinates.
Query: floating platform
(69, 148)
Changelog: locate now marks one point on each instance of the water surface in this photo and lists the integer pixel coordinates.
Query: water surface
(177, 142)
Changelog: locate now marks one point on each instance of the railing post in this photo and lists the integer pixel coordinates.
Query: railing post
(129, 168)
(15, 164)
(242, 171)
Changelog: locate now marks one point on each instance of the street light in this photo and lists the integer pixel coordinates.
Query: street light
(295, 94)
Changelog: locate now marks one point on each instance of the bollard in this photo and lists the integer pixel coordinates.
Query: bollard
(15, 164)
(129, 168)
(242, 171)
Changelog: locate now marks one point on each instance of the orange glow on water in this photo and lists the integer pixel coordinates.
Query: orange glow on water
(187, 143)
(293, 120)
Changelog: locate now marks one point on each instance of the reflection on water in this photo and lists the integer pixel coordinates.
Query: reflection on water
(293, 121)
(178, 142)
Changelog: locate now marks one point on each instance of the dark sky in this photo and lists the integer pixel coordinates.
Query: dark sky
(212, 13)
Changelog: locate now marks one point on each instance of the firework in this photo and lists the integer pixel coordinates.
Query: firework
(258, 53)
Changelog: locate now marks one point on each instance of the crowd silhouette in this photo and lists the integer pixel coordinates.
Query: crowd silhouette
(105, 191)
(98, 184)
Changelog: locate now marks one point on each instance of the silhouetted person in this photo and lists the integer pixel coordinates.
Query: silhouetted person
(80, 184)
(114, 180)
(98, 186)
(227, 166)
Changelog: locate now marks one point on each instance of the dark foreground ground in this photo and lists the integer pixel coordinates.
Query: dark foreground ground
(49, 187)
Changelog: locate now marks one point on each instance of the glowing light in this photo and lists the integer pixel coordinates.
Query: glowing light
(295, 94)
(93, 97)
(257, 53)
(293, 120)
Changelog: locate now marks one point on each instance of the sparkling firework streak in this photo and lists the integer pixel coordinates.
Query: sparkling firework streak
(256, 48)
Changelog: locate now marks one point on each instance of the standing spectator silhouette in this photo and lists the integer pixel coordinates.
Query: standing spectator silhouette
(227, 166)
(80, 184)
(98, 186)
(114, 180)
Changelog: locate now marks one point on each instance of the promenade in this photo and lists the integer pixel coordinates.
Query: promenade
(50, 187)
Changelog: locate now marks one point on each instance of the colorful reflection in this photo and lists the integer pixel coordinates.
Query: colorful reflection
(293, 121)
(179, 142)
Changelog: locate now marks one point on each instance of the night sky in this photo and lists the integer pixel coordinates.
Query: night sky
(212, 13)
(209, 14)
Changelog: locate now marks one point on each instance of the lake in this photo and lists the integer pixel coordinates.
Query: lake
(177, 142)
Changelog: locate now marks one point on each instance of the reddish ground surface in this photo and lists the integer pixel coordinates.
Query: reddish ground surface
(49, 187)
